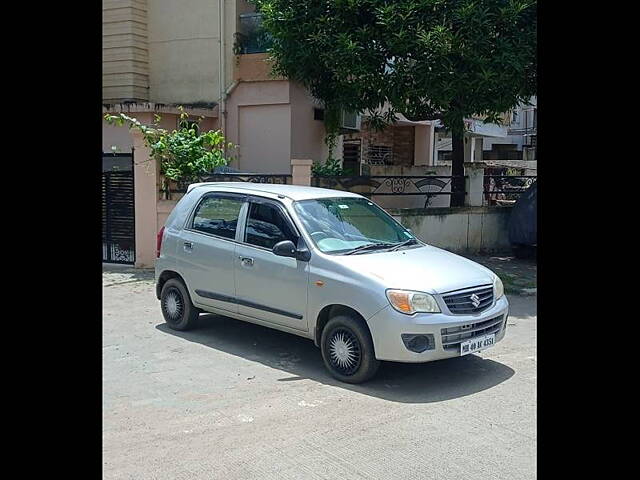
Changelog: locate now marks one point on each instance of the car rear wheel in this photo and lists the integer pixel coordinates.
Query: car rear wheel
(177, 309)
(347, 350)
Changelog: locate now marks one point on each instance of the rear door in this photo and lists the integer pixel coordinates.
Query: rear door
(207, 248)
(270, 287)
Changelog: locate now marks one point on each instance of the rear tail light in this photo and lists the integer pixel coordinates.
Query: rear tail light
(159, 242)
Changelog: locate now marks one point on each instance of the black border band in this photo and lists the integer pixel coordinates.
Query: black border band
(247, 303)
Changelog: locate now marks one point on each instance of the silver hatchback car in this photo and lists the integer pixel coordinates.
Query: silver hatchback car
(327, 265)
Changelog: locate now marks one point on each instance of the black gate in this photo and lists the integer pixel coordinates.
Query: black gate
(118, 224)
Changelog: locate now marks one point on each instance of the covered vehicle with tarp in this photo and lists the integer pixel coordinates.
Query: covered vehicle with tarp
(523, 224)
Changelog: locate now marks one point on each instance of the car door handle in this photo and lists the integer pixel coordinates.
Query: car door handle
(188, 245)
(247, 261)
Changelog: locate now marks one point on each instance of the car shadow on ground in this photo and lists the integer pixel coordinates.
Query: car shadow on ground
(301, 359)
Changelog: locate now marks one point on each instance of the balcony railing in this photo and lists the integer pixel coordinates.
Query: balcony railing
(252, 37)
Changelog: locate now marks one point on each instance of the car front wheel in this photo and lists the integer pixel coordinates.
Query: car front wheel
(347, 350)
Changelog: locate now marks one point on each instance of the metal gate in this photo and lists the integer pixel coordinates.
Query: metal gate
(118, 220)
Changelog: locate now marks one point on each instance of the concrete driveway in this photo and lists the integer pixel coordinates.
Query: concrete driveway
(232, 400)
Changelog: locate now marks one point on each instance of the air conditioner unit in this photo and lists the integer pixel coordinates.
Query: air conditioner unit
(350, 120)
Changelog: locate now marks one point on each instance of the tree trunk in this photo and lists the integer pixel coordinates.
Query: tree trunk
(457, 164)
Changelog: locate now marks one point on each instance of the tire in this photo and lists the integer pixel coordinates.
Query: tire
(176, 306)
(342, 332)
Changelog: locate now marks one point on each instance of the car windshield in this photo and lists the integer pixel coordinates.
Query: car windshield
(342, 225)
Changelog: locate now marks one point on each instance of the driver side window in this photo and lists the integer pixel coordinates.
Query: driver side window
(266, 226)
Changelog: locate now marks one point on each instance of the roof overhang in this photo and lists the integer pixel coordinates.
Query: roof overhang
(404, 121)
(151, 107)
(477, 128)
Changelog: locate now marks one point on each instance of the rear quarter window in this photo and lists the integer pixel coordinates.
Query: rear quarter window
(217, 216)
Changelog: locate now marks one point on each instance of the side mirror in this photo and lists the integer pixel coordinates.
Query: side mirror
(285, 248)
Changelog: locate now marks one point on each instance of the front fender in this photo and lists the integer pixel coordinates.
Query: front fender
(329, 287)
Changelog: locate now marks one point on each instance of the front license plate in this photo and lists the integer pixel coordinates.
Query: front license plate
(478, 343)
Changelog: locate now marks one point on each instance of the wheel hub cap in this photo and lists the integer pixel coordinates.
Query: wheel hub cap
(173, 305)
(343, 350)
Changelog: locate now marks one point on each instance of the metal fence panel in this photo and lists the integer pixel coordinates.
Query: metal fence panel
(118, 217)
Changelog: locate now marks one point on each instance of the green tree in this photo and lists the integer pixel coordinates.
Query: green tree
(427, 59)
(185, 154)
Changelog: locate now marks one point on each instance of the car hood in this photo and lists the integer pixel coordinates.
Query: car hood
(427, 269)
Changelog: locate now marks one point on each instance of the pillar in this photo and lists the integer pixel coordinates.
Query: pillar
(430, 145)
(421, 145)
(301, 171)
(474, 183)
(469, 143)
(146, 186)
(477, 149)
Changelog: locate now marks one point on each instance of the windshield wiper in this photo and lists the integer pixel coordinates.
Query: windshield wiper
(402, 244)
(369, 246)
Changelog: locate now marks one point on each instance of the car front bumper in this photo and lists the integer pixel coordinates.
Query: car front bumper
(388, 325)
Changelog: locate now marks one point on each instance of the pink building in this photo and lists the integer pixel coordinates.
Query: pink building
(210, 59)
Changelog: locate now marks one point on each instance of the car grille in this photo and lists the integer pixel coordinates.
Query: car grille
(452, 337)
(461, 303)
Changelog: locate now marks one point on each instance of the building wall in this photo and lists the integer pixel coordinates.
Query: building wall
(265, 138)
(460, 229)
(403, 145)
(400, 138)
(524, 118)
(253, 67)
(184, 51)
(259, 141)
(180, 65)
(125, 55)
(264, 145)
(307, 134)
(118, 137)
(423, 140)
(167, 52)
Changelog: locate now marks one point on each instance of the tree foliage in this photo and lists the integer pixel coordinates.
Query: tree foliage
(184, 154)
(331, 167)
(429, 59)
(426, 59)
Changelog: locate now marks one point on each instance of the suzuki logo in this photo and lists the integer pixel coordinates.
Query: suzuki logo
(475, 299)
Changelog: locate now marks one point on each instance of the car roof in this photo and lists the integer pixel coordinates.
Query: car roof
(293, 192)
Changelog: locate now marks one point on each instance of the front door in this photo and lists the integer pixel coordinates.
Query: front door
(207, 250)
(269, 287)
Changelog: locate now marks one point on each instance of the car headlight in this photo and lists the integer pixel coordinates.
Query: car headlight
(409, 302)
(498, 287)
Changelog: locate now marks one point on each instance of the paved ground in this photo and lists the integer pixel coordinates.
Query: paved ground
(519, 276)
(232, 400)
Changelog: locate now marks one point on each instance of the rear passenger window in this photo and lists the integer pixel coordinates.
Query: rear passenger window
(266, 226)
(218, 216)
